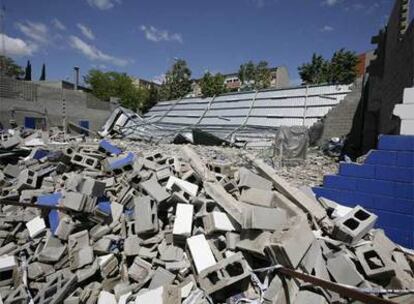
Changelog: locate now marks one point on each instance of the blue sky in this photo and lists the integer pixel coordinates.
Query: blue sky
(142, 38)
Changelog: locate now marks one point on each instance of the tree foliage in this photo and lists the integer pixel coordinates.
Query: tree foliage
(9, 68)
(113, 84)
(177, 82)
(254, 76)
(28, 71)
(212, 85)
(341, 69)
(43, 73)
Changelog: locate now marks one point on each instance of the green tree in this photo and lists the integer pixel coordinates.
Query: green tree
(247, 73)
(113, 84)
(262, 75)
(152, 99)
(177, 81)
(28, 71)
(343, 66)
(9, 68)
(317, 71)
(43, 73)
(340, 69)
(212, 84)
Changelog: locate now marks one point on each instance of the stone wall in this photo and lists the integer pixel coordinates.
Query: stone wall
(51, 103)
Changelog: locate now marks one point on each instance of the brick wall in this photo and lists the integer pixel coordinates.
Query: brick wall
(384, 184)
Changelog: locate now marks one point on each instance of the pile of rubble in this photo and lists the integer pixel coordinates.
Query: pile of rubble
(94, 224)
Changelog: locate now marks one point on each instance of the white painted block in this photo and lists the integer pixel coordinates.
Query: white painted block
(404, 111)
(116, 211)
(200, 252)
(153, 296)
(407, 127)
(124, 298)
(36, 226)
(222, 222)
(183, 220)
(408, 96)
(106, 298)
(192, 189)
(7, 262)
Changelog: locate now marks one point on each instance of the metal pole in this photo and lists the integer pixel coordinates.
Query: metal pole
(305, 106)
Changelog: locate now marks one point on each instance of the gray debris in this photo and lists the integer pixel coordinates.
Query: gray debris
(87, 224)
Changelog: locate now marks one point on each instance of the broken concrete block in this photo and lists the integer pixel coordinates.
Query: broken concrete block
(161, 277)
(91, 187)
(217, 221)
(200, 252)
(8, 270)
(224, 273)
(264, 218)
(258, 197)
(108, 264)
(108, 148)
(74, 200)
(375, 264)
(307, 297)
(140, 271)
(354, 225)
(27, 179)
(248, 179)
(131, 246)
(146, 219)
(106, 298)
(155, 190)
(119, 164)
(11, 142)
(281, 290)
(288, 246)
(52, 250)
(190, 188)
(183, 223)
(36, 226)
(85, 161)
(153, 296)
(343, 270)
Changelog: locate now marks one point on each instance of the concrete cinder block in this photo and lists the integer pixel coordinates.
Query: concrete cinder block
(190, 188)
(155, 190)
(36, 226)
(281, 291)
(225, 273)
(108, 148)
(376, 265)
(289, 245)
(161, 277)
(258, 197)
(153, 296)
(217, 221)
(85, 161)
(183, 223)
(8, 269)
(307, 297)
(106, 298)
(263, 218)
(343, 270)
(140, 271)
(74, 200)
(200, 252)
(27, 179)
(91, 187)
(354, 225)
(119, 164)
(146, 218)
(248, 179)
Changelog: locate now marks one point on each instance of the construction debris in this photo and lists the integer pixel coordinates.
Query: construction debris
(91, 223)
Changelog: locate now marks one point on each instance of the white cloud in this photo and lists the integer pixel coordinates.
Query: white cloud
(86, 31)
(331, 2)
(93, 53)
(103, 4)
(36, 31)
(157, 35)
(17, 47)
(58, 24)
(327, 28)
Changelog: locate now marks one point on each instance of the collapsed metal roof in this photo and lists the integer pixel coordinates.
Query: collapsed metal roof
(250, 117)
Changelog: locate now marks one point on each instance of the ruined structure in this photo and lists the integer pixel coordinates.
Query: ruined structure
(388, 75)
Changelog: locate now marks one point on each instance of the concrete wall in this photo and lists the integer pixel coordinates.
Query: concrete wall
(338, 121)
(389, 74)
(46, 101)
(384, 185)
